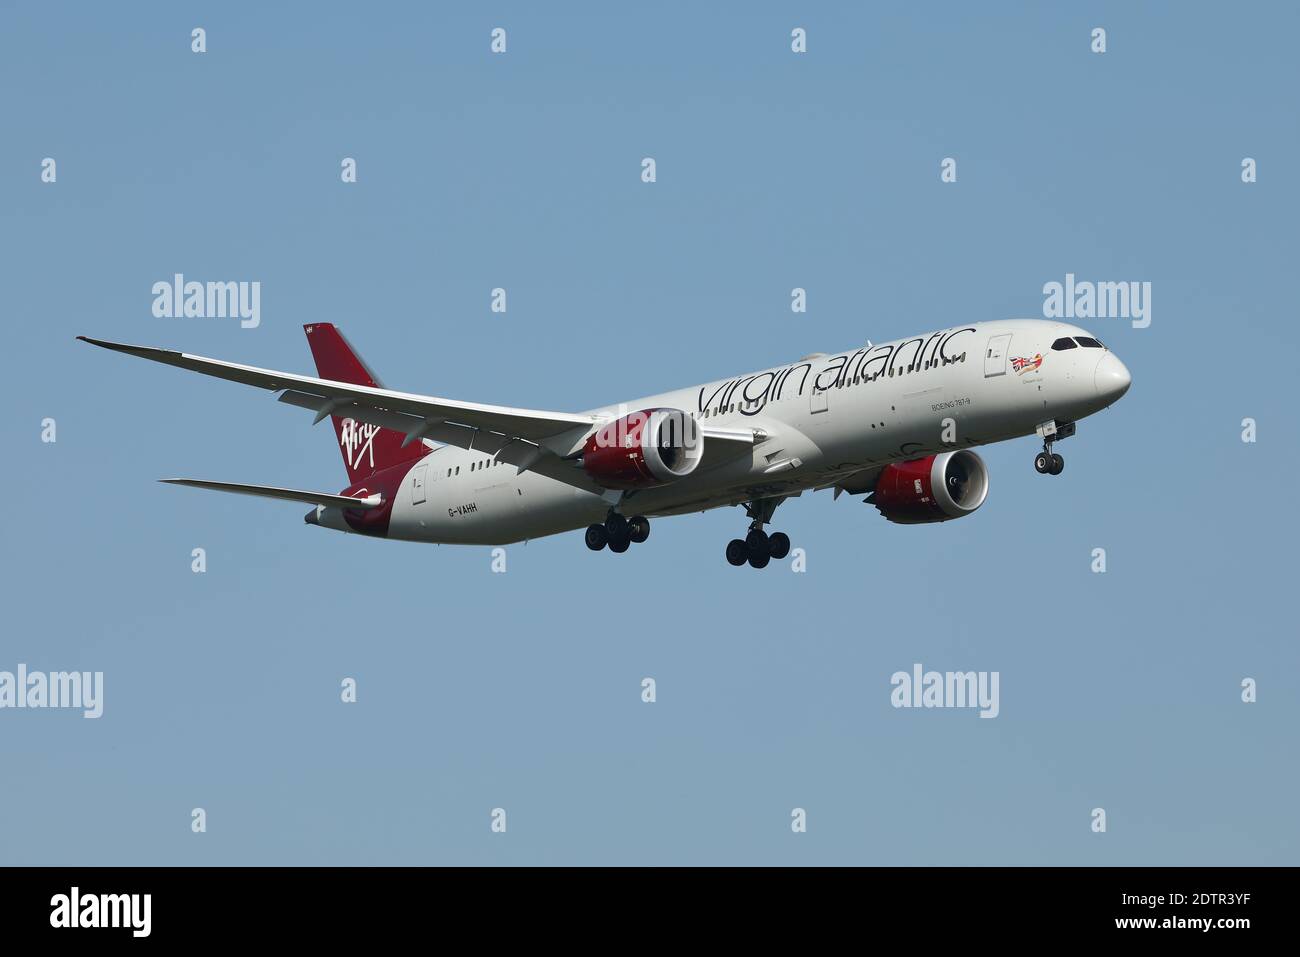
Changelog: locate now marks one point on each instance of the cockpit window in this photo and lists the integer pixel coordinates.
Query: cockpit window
(1089, 343)
(1060, 345)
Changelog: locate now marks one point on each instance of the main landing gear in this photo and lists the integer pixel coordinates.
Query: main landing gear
(758, 547)
(1048, 462)
(618, 532)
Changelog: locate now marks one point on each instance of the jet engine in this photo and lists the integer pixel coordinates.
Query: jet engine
(644, 449)
(933, 489)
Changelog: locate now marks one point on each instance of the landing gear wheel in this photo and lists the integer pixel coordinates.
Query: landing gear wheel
(1043, 462)
(737, 552)
(1058, 465)
(759, 559)
(620, 534)
(778, 545)
(638, 528)
(597, 537)
(617, 532)
(756, 539)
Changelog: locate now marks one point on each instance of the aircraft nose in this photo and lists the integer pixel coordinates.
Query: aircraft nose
(1111, 378)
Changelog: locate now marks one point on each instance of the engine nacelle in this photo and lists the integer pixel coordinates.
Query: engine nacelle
(933, 489)
(643, 449)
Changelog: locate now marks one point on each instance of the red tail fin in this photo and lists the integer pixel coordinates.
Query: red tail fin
(366, 448)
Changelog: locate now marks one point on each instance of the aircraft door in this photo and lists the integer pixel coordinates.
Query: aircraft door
(995, 356)
(418, 475)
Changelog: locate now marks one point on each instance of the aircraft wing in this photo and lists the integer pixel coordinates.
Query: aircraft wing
(288, 494)
(529, 439)
(523, 423)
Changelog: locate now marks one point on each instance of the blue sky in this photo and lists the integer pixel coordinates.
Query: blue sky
(522, 690)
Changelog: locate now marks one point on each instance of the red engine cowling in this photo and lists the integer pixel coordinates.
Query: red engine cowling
(642, 449)
(933, 489)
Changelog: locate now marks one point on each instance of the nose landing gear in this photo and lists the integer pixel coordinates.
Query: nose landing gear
(1048, 462)
(758, 548)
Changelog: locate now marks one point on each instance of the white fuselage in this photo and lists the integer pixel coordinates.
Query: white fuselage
(827, 418)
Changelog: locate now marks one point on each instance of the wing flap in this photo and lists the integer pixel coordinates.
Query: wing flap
(513, 450)
(725, 445)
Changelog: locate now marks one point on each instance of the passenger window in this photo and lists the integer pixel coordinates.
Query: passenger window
(1060, 345)
(1089, 343)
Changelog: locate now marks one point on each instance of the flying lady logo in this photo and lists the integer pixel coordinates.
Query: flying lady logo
(1020, 365)
(358, 440)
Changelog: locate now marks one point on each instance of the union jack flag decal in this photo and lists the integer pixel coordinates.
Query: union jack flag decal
(1021, 365)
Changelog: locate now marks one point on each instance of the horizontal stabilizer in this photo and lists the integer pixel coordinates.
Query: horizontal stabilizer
(287, 494)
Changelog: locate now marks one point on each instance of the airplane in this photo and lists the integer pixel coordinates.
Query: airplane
(895, 422)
